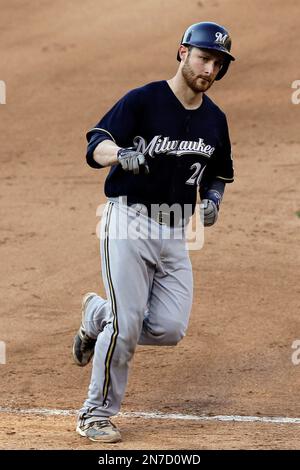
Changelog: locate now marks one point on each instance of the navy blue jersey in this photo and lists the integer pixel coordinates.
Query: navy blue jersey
(184, 148)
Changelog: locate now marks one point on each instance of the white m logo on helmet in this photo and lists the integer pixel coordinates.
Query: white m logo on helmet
(221, 38)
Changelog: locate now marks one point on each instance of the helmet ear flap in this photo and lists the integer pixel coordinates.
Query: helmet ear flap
(223, 70)
(178, 56)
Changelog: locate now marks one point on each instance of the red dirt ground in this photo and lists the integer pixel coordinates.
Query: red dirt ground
(64, 64)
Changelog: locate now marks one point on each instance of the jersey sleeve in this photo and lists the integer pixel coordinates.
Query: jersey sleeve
(118, 125)
(221, 167)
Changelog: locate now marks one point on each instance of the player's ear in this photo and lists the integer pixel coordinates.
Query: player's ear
(183, 52)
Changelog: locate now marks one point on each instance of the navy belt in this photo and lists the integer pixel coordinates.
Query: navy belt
(167, 218)
(153, 211)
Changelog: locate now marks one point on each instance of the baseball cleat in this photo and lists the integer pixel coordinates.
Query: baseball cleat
(83, 345)
(99, 431)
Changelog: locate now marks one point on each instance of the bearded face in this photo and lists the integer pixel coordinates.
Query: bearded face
(200, 69)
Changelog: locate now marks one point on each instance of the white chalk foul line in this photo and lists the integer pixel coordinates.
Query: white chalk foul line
(159, 415)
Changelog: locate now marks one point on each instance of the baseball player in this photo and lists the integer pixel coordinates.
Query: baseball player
(164, 142)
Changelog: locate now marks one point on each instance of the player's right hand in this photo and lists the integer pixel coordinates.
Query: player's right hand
(131, 160)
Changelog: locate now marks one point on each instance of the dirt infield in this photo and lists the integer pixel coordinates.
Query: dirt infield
(64, 64)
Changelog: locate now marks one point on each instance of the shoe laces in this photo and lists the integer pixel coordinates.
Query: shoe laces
(102, 424)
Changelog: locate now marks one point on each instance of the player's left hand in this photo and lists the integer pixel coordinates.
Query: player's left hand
(210, 212)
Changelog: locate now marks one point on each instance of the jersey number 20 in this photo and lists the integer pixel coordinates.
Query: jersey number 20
(197, 175)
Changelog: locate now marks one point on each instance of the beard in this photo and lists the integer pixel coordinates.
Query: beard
(195, 82)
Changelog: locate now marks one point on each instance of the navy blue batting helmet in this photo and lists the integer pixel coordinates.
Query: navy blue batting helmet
(207, 35)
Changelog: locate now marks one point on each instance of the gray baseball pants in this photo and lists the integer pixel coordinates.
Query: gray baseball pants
(149, 288)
